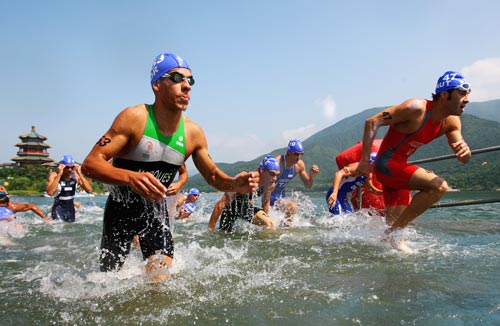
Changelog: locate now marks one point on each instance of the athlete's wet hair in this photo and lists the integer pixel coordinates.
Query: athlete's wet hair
(4, 198)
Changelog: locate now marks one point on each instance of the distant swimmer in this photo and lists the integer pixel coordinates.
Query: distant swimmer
(62, 185)
(8, 207)
(291, 164)
(412, 124)
(192, 197)
(345, 181)
(7, 219)
(233, 205)
(370, 191)
(8, 210)
(185, 211)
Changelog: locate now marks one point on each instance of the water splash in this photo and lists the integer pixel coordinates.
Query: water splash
(317, 272)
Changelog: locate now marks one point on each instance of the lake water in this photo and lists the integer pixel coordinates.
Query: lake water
(323, 271)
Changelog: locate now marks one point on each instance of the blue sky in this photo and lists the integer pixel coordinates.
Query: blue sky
(266, 71)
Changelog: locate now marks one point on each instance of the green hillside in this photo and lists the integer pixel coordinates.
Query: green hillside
(487, 110)
(481, 129)
(482, 172)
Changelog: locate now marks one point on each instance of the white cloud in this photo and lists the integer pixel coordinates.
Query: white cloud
(229, 149)
(300, 133)
(329, 107)
(484, 76)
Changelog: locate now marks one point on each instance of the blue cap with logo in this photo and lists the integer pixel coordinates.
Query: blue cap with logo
(193, 191)
(270, 163)
(67, 160)
(451, 80)
(295, 146)
(189, 207)
(164, 63)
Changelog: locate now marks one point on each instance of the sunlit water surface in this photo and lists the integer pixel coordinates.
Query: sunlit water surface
(324, 270)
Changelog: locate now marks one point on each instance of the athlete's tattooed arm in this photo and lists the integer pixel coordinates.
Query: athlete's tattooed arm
(103, 141)
(386, 116)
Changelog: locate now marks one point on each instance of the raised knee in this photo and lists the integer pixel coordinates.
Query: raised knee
(441, 189)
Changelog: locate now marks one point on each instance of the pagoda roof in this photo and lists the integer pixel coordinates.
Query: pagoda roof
(33, 134)
(25, 154)
(32, 144)
(32, 158)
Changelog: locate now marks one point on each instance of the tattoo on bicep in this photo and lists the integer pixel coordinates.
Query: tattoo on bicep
(103, 141)
(386, 116)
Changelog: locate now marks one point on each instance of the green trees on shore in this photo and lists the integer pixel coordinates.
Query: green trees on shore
(31, 180)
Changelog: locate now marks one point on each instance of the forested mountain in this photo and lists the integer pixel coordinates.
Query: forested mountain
(489, 110)
(481, 129)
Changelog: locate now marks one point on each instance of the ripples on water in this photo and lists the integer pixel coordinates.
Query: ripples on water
(323, 271)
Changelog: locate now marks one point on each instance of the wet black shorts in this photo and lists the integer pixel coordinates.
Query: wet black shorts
(123, 221)
(64, 210)
(229, 217)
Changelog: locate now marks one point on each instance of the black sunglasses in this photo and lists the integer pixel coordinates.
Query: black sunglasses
(177, 78)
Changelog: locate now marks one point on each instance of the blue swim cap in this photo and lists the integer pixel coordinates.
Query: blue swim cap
(67, 160)
(193, 191)
(295, 146)
(373, 155)
(451, 80)
(270, 163)
(189, 207)
(164, 63)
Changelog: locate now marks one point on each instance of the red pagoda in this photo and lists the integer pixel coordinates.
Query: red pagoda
(32, 150)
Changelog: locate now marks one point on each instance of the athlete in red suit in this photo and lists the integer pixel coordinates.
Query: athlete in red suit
(368, 198)
(412, 124)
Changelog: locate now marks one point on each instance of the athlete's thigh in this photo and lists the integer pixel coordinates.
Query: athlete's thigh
(423, 179)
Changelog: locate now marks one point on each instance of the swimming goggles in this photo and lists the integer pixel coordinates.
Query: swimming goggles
(464, 87)
(273, 174)
(177, 78)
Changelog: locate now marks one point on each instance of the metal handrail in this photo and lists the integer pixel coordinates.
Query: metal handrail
(466, 202)
(445, 157)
